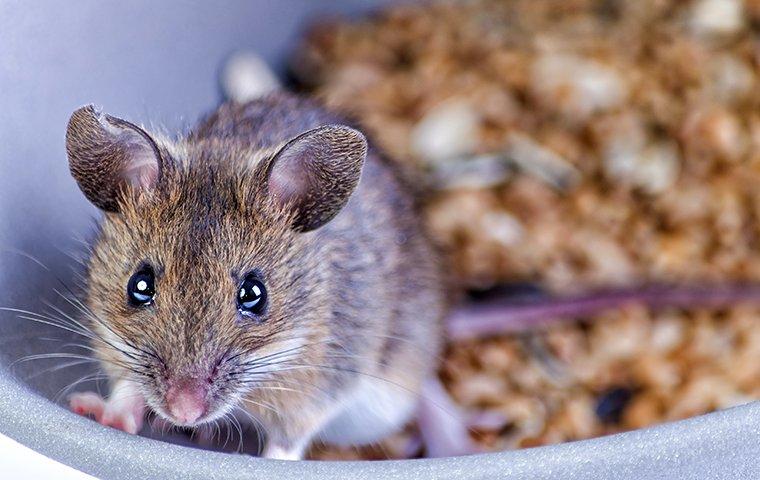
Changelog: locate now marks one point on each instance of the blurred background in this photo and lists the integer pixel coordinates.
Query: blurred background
(567, 146)
(558, 146)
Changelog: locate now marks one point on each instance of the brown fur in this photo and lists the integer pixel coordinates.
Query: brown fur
(104, 145)
(362, 292)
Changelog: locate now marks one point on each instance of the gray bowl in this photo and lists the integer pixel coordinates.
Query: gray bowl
(157, 62)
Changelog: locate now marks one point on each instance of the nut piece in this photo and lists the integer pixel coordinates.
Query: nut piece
(717, 17)
(576, 87)
(447, 131)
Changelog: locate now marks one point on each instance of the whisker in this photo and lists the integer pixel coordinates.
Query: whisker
(260, 384)
(257, 426)
(239, 428)
(227, 422)
(43, 319)
(258, 404)
(89, 377)
(108, 327)
(58, 367)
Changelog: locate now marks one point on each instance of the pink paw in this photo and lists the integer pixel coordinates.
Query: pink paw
(120, 414)
(87, 404)
(442, 426)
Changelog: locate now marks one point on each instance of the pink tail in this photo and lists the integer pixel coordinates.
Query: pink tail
(499, 317)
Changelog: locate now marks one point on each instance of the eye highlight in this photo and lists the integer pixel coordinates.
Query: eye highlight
(251, 296)
(141, 288)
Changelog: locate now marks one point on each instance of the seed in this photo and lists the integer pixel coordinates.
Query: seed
(612, 403)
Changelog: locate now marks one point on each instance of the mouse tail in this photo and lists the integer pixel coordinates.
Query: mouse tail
(498, 317)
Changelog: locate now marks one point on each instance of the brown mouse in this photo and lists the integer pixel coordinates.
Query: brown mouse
(272, 261)
(269, 260)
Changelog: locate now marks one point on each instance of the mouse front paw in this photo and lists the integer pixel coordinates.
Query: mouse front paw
(87, 404)
(120, 411)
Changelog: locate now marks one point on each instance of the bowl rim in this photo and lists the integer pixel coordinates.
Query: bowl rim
(722, 444)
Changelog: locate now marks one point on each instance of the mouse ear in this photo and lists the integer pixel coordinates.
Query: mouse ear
(107, 154)
(316, 172)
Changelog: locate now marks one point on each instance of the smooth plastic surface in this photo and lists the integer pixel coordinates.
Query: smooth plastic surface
(157, 62)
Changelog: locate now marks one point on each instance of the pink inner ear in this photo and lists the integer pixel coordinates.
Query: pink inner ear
(141, 171)
(289, 177)
(315, 173)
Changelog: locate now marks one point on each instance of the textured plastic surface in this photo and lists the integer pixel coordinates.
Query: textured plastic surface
(723, 445)
(157, 62)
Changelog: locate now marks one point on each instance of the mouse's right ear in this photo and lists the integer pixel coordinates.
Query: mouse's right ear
(107, 154)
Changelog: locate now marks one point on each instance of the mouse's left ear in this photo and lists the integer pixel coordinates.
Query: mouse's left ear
(108, 156)
(315, 173)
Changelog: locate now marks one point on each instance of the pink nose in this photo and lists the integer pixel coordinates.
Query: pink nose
(187, 403)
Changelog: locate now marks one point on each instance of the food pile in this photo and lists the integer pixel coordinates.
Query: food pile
(572, 145)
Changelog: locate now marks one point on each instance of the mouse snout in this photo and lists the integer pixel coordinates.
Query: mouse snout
(186, 402)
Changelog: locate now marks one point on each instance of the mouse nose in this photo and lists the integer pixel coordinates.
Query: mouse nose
(186, 403)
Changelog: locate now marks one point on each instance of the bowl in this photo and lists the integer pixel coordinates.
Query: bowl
(158, 63)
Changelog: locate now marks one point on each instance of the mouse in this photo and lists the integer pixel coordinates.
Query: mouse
(273, 262)
(270, 260)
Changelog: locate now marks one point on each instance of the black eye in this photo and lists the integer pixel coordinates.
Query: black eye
(252, 296)
(142, 287)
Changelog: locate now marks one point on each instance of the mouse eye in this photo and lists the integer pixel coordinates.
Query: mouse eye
(142, 287)
(252, 296)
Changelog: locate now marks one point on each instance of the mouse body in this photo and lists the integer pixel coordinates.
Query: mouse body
(271, 261)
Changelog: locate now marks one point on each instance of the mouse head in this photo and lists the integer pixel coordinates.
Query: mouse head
(208, 276)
